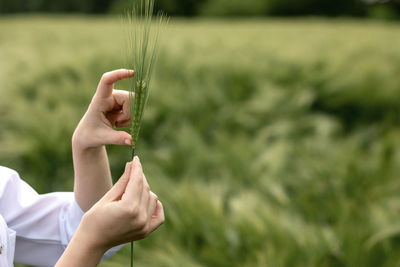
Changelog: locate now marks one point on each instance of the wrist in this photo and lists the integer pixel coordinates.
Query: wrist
(79, 145)
(81, 251)
(88, 239)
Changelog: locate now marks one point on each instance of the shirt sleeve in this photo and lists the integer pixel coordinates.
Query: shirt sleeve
(44, 224)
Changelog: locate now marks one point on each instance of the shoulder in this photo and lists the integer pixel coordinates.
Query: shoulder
(4, 171)
(7, 174)
(8, 177)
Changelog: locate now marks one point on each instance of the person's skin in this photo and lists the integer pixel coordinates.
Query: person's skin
(128, 212)
(107, 109)
(115, 215)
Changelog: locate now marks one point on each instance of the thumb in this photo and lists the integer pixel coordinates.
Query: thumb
(113, 137)
(118, 189)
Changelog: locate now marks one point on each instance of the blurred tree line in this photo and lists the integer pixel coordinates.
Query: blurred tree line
(360, 8)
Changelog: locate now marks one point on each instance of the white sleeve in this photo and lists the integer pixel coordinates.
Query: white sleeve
(44, 224)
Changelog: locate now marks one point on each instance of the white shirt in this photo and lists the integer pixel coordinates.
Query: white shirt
(35, 229)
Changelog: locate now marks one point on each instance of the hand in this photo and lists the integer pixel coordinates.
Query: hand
(128, 212)
(109, 108)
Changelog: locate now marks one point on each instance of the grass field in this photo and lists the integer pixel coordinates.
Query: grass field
(269, 142)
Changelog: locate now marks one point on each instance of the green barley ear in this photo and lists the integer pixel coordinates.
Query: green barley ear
(143, 34)
(143, 37)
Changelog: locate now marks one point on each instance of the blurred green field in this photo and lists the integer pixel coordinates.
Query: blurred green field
(269, 142)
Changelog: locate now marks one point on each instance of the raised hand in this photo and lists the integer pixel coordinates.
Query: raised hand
(109, 108)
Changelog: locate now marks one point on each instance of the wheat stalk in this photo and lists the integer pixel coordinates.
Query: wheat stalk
(143, 39)
(142, 49)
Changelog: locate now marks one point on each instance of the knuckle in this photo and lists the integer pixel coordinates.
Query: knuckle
(147, 187)
(141, 221)
(162, 217)
(132, 211)
(104, 76)
(154, 196)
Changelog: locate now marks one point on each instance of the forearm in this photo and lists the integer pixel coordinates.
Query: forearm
(92, 175)
(81, 252)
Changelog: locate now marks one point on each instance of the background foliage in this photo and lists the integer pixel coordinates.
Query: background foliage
(270, 142)
(387, 9)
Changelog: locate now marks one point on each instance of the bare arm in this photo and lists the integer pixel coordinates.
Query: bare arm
(107, 109)
(80, 252)
(92, 175)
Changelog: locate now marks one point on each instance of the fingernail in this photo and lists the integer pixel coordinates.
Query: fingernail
(137, 160)
(127, 142)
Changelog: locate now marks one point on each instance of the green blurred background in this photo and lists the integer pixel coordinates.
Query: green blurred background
(272, 132)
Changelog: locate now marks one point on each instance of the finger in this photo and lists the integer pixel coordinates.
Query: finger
(146, 194)
(113, 137)
(120, 115)
(116, 118)
(134, 189)
(122, 123)
(122, 99)
(113, 117)
(106, 84)
(119, 187)
(122, 118)
(158, 217)
(152, 204)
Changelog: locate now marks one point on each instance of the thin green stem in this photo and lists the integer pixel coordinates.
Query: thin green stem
(142, 53)
(132, 155)
(131, 253)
